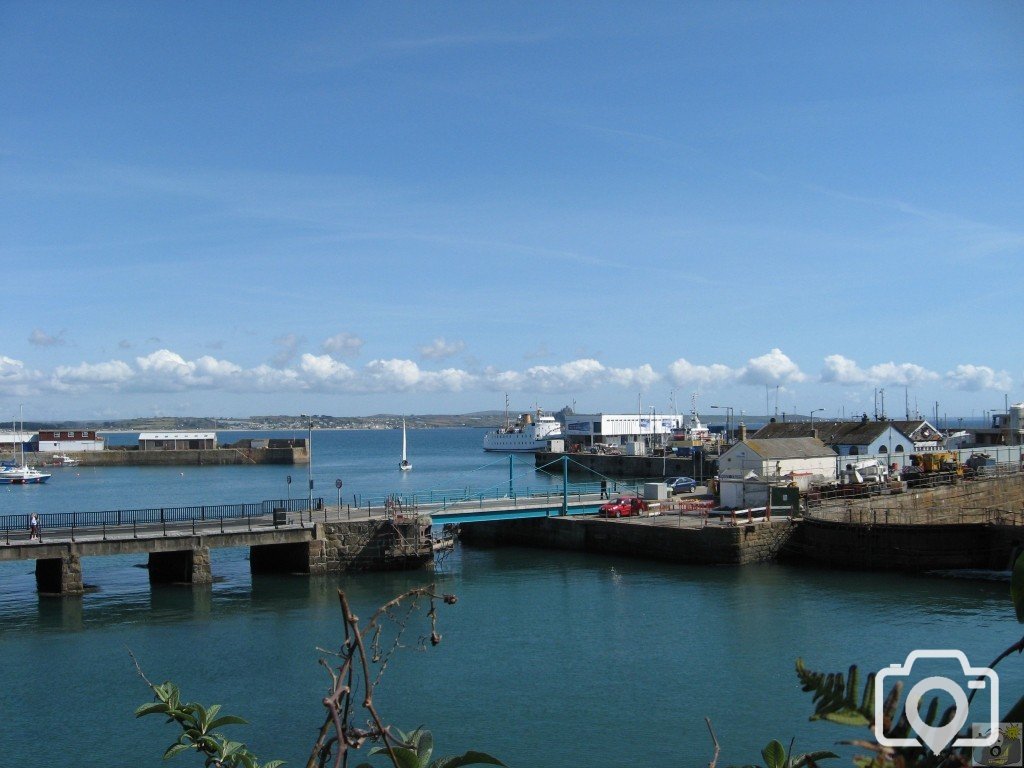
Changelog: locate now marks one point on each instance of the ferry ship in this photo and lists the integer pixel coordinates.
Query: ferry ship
(528, 433)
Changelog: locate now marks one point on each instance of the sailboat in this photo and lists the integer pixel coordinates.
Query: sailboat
(22, 474)
(405, 466)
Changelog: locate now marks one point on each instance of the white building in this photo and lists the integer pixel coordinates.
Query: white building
(619, 429)
(747, 469)
(69, 440)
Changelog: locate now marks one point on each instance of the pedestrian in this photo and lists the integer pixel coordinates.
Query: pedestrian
(604, 489)
(33, 527)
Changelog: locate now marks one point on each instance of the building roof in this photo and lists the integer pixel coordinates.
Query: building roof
(177, 436)
(829, 432)
(849, 432)
(789, 448)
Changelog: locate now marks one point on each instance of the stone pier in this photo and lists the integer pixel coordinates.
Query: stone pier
(349, 546)
(60, 575)
(184, 566)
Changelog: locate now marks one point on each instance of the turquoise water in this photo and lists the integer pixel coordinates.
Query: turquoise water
(548, 658)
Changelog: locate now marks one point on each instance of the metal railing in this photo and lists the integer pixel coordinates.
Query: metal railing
(156, 515)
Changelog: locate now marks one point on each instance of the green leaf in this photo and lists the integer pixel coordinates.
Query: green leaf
(274, 764)
(227, 720)
(151, 709)
(774, 755)
(1017, 586)
(469, 758)
(175, 749)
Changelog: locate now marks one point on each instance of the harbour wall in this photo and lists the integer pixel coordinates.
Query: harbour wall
(711, 545)
(976, 525)
(631, 466)
(193, 457)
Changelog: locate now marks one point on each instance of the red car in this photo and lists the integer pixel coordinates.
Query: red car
(624, 506)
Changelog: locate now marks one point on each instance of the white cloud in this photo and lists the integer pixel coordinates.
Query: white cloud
(973, 378)
(771, 368)
(15, 378)
(325, 368)
(843, 370)
(682, 371)
(576, 375)
(113, 373)
(344, 344)
(39, 338)
(439, 349)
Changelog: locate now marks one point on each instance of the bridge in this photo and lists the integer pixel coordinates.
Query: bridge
(290, 535)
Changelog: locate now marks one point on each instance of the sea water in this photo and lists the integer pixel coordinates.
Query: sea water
(547, 659)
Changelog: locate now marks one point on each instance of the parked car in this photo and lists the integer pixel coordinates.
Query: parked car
(681, 485)
(624, 506)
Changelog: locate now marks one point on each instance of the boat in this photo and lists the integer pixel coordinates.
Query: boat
(62, 460)
(405, 466)
(528, 433)
(20, 474)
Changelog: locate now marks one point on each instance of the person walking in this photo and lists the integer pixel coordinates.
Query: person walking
(33, 528)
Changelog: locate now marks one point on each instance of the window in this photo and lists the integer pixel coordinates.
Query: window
(898, 449)
(882, 449)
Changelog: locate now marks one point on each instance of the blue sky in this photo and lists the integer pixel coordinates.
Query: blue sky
(238, 208)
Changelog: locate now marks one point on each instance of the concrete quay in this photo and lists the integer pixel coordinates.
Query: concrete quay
(114, 457)
(975, 525)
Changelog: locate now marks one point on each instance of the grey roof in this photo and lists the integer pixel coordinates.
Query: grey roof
(789, 448)
(829, 432)
(847, 432)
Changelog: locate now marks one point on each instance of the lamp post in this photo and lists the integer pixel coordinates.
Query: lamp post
(309, 450)
(288, 480)
(338, 484)
(816, 410)
(728, 420)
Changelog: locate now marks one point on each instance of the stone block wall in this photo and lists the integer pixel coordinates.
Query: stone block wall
(713, 545)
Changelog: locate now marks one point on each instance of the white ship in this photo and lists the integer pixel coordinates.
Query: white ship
(530, 432)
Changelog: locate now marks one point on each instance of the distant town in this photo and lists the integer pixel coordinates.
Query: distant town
(484, 419)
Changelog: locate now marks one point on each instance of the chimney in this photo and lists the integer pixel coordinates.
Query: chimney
(743, 431)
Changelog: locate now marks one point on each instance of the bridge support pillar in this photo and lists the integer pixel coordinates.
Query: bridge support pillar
(60, 575)
(186, 566)
(284, 558)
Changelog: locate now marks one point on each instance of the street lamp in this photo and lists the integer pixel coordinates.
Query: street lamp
(728, 420)
(816, 410)
(309, 451)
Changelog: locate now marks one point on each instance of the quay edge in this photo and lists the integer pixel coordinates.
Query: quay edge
(987, 527)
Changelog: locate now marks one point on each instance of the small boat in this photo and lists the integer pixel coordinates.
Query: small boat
(405, 466)
(22, 476)
(63, 460)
